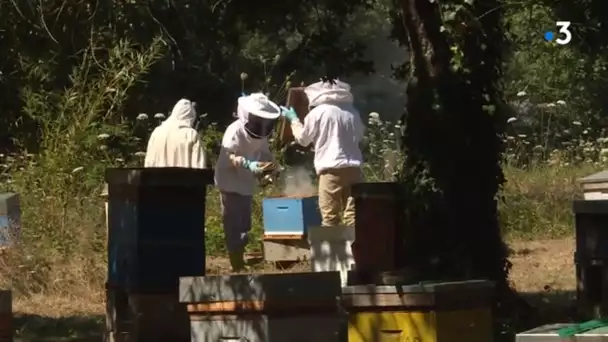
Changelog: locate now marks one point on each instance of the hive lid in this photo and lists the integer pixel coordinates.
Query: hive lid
(159, 176)
(549, 330)
(420, 288)
(8, 202)
(387, 190)
(292, 287)
(599, 177)
(601, 331)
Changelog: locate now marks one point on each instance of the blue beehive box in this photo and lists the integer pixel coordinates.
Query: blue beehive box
(290, 215)
(10, 219)
(156, 227)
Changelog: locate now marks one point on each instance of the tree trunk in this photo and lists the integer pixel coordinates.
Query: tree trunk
(452, 141)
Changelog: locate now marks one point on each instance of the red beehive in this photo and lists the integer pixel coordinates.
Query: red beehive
(378, 232)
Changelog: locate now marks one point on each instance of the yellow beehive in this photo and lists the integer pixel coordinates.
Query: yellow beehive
(435, 312)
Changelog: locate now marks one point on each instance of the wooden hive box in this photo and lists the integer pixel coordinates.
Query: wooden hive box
(6, 316)
(591, 256)
(379, 231)
(145, 317)
(595, 186)
(156, 230)
(330, 249)
(10, 219)
(430, 312)
(296, 307)
(297, 99)
(286, 220)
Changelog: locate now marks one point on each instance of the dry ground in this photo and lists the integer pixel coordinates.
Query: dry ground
(543, 267)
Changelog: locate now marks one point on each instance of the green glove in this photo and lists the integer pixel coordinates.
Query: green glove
(289, 113)
(252, 166)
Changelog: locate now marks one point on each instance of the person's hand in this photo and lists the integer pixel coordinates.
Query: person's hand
(253, 166)
(289, 113)
(237, 160)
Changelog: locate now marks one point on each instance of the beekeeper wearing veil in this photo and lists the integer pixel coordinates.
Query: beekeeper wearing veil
(244, 156)
(335, 129)
(175, 142)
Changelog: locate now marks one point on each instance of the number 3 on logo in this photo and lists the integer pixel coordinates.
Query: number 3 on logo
(564, 29)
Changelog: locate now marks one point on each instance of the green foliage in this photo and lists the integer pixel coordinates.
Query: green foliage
(209, 45)
(548, 73)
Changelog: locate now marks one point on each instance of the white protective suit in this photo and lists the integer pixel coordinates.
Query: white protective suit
(333, 125)
(238, 146)
(175, 143)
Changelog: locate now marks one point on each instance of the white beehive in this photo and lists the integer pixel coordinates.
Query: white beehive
(330, 250)
(595, 186)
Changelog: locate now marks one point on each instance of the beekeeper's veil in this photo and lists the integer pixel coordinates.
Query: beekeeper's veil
(328, 92)
(259, 114)
(175, 143)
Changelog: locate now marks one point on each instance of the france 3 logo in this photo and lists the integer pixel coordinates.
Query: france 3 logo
(563, 36)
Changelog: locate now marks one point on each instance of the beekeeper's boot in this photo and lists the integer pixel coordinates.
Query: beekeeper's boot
(237, 261)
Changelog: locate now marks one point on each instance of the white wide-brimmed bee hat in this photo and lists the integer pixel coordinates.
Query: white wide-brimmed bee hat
(328, 91)
(258, 113)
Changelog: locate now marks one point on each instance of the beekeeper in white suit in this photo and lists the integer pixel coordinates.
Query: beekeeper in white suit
(244, 155)
(175, 142)
(334, 127)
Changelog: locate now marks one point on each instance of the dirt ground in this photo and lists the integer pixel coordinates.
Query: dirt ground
(539, 267)
(543, 265)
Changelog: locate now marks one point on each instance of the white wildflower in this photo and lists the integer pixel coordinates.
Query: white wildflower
(585, 132)
(103, 136)
(521, 93)
(550, 105)
(78, 169)
(511, 120)
(561, 102)
(159, 116)
(103, 147)
(576, 123)
(244, 76)
(374, 115)
(142, 116)
(522, 136)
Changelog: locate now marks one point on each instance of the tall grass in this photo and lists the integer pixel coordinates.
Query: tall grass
(82, 133)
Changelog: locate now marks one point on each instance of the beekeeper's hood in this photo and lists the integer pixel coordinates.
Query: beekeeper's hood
(325, 92)
(175, 143)
(183, 114)
(258, 113)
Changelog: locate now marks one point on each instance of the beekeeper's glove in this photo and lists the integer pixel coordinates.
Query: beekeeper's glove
(289, 114)
(252, 166)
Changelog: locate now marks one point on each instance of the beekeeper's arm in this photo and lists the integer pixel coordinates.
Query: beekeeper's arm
(230, 146)
(198, 158)
(304, 134)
